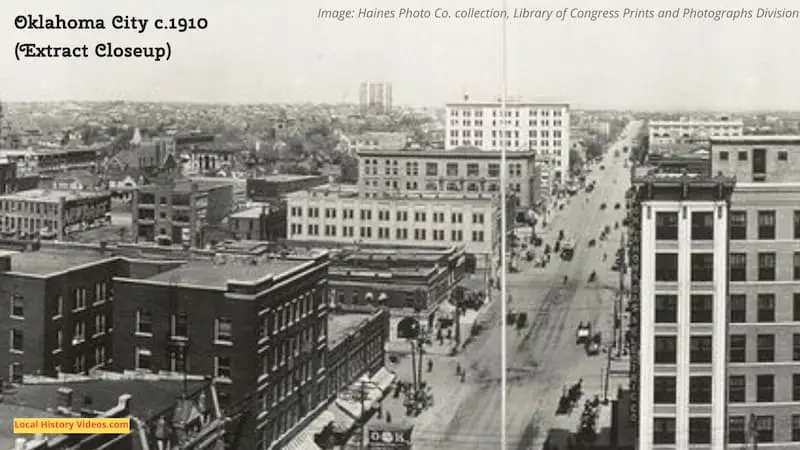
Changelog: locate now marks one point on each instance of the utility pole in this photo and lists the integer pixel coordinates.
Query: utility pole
(618, 305)
(607, 377)
(361, 394)
(413, 364)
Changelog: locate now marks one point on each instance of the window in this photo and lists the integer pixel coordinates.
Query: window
(796, 387)
(665, 352)
(702, 308)
(667, 267)
(765, 425)
(699, 430)
(58, 307)
(766, 267)
(795, 427)
(796, 347)
(738, 266)
(723, 156)
(664, 430)
(17, 306)
(766, 348)
(797, 225)
(667, 226)
(666, 308)
(144, 322)
(700, 349)
(796, 307)
(738, 348)
(742, 156)
(494, 170)
(702, 226)
(736, 430)
(766, 308)
(700, 390)
(664, 390)
(431, 169)
(737, 389)
(180, 325)
(222, 367)
(738, 306)
(796, 264)
(766, 225)
(473, 170)
(783, 155)
(223, 330)
(17, 341)
(451, 169)
(765, 388)
(702, 266)
(143, 359)
(738, 225)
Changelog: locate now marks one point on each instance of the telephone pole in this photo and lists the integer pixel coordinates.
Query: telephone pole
(618, 305)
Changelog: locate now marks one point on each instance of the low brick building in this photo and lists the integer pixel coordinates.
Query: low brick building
(273, 187)
(54, 212)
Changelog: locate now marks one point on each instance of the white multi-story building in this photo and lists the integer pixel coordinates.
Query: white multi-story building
(330, 214)
(539, 127)
(665, 132)
(679, 271)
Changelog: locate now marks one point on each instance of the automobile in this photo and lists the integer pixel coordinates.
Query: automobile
(602, 167)
(583, 333)
(602, 206)
(616, 205)
(592, 243)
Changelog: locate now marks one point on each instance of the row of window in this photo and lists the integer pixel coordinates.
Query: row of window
(79, 301)
(508, 134)
(702, 225)
(666, 349)
(386, 215)
(702, 267)
(702, 307)
(370, 167)
(510, 112)
(433, 186)
(738, 429)
(783, 155)
(516, 146)
(765, 348)
(400, 234)
(700, 389)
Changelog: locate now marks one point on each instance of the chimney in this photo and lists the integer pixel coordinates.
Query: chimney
(65, 397)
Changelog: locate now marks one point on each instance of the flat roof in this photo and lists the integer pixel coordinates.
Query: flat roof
(52, 195)
(211, 275)
(34, 400)
(249, 213)
(736, 122)
(285, 177)
(333, 192)
(341, 325)
(460, 152)
(509, 104)
(756, 139)
(185, 185)
(52, 261)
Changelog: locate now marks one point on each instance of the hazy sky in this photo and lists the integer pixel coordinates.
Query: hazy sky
(278, 51)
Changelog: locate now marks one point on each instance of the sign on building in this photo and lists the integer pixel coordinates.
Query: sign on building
(388, 437)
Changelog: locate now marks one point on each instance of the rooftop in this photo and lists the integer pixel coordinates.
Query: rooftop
(460, 152)
(216, 276)
(52, 195)
(696, 122)
(758, 139)
(34, 400)
(285, 178)
(250, 213)
(342, 325)
(52, 261)
(509, 103)
(184, 185)
(334, 192)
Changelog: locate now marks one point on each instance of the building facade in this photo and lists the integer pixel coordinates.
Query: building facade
(176, 211)
(665, 132)
(260, 223)
(543, 128)
(52, 212)
(458, 170)
(679, 273)
(51, 161)
(375, 97)
(332, 215)
(259, 327)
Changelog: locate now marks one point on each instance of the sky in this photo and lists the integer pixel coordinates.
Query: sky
(257, 51)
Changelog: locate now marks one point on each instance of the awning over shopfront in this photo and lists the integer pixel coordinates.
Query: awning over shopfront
(446, 310)
(373, 390)
(305, 438)
(383, 379)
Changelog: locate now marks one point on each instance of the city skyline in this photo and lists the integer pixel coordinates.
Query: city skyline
(290, 56)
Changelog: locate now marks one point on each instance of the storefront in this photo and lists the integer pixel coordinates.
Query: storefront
(389, 437)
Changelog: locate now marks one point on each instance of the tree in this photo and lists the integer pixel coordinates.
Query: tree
(349, 167)
(594, 149)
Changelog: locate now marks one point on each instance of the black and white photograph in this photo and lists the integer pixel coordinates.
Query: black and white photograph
(399, 225)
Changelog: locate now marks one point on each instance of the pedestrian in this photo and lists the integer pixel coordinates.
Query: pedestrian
(388, 417)
(449, 334)
(463, 375)
(439, 336)
(458, 369)
(430, 365)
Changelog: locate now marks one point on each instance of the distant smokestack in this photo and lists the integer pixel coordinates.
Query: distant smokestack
(466, 97)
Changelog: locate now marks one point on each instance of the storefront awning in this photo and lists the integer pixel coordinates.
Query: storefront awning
(305, 438)
(383, 379)
(351, 400)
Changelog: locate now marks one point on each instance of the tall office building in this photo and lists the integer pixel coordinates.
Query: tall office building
(375, 97)
(715, 286)
(539, 127)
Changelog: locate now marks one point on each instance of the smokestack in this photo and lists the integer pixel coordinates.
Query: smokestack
(466, 97)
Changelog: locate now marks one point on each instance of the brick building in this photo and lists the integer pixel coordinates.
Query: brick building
(175, 211)
(259, 223)
(273, 187)
(257, 326)
(8, 177)
(59, 309)
(51, 212)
